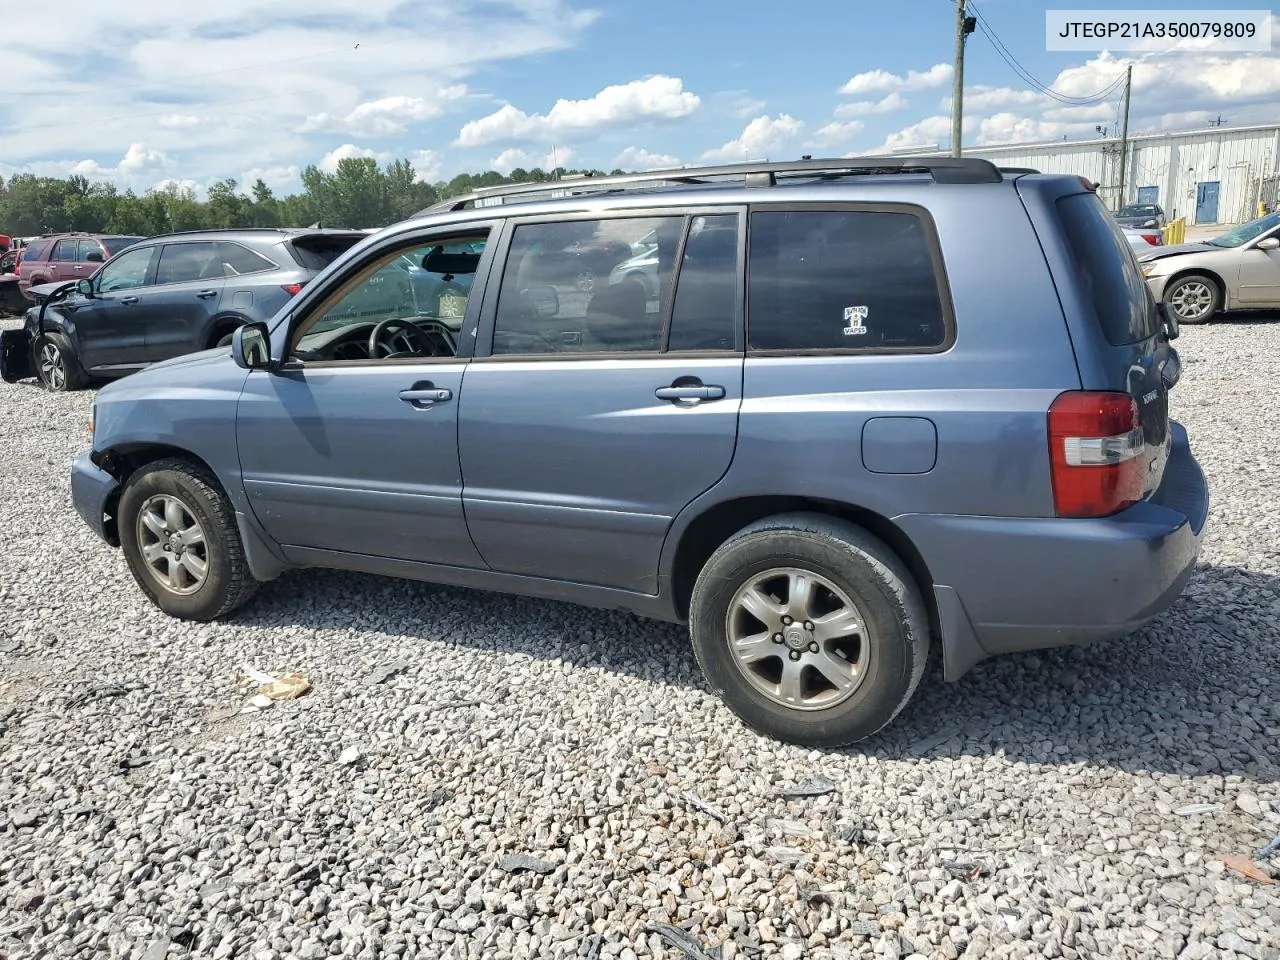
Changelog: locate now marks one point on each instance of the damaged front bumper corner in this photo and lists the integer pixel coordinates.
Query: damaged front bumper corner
(95, 494)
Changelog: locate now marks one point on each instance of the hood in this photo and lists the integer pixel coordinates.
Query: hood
(43, 291)
(1173, 250)
(188, 359)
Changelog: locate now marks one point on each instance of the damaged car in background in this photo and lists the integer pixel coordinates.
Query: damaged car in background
(163, 297)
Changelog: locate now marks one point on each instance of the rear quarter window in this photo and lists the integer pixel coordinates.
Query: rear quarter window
(823, 280)
(1108, 270)
(317, 252)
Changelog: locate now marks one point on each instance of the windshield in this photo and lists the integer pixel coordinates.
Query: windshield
(1246, 231)
(1133, 210)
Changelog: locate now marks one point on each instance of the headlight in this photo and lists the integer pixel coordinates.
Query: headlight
(1149, 223)
(1148, 270)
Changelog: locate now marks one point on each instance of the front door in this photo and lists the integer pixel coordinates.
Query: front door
(352, 446)
(1207, 202)
(108, 327)
(605, 408)
(180, 307)
(1259, 283)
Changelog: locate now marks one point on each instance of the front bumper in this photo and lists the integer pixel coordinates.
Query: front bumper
(1156, 285)
(94, 492)
(1014, 584)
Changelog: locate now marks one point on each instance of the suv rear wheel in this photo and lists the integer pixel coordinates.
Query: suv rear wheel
(811, 630)
(179, 537)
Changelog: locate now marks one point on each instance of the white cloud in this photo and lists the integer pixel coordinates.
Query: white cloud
(279, 179)
(882, 81)
(862, 108)
(979, 98)
(348, 151)
(635, 158)
(924, 133)
(658, 97)
(764, 136)
(179, 121)
(838, 133)
(387, 117)
(426, 164)
(514, 157)
(737, 103)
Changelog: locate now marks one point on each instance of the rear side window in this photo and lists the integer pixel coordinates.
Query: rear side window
(237, 260)
(842, 280)
(115, 244)
(1125, 309)
(182, 262)
(67, 251)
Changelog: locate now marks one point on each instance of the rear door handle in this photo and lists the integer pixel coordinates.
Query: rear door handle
(423, 397)
(704, 392)
(206, 294)
(128, 301)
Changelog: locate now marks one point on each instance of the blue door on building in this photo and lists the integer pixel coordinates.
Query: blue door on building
(1148, 195)
(1207, 202)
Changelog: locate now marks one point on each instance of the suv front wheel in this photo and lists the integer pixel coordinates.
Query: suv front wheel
(810, 629)
(179, 536)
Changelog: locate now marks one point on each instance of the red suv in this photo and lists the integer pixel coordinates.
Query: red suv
(67, 256)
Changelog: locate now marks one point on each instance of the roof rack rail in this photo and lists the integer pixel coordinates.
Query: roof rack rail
(942, 169)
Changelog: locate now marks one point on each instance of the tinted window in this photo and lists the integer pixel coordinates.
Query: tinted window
(586, 286)
(705, 316)
(35, 250)
(237, 260)
(65, 252)
(317, 252)
(115, 244)
(827, 280)
(180, 262)
(1109, 272)
(87, 247)
(127, 271)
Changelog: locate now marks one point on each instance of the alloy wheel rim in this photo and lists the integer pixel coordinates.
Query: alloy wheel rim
(173, 545)
(1192, 301)
(51, 366)
(798, 639)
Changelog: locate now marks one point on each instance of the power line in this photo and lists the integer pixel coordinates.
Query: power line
(1007, 56)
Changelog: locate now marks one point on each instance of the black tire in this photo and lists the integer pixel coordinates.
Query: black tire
(228, 582)
(872, 576)
(225, 339)
(66, 373)
(1180, 289)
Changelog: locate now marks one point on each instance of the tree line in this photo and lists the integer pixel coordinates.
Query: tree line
(359, 193)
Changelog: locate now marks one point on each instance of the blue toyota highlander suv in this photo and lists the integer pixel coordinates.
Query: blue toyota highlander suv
(861, 410)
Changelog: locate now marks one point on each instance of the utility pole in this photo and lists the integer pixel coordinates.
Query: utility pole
(964, 26)
(1124, 136)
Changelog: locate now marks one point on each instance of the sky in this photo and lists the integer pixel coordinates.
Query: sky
(141, 95)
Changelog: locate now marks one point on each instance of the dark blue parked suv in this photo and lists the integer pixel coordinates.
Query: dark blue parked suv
(163, 297)
(861, 410)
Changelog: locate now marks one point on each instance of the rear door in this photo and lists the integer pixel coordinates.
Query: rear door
(1133, 353)
(592, 417)
(63, 260)
(180, 306)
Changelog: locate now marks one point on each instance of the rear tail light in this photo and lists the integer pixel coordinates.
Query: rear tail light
(1096, 453)
(1153, 238)
(293, 289)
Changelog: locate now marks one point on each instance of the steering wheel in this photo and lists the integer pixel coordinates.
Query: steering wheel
(405, 340)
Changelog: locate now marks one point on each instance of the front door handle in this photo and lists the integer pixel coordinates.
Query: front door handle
(693, 392)
(128, 301)
(207, 294)
(423, 396)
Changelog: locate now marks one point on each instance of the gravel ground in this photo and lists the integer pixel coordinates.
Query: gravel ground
(1031, 810)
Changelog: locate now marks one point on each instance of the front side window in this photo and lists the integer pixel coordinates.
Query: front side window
(841, 280)
(184, 262)
(410, 303)
(127, 271)
(587, 286)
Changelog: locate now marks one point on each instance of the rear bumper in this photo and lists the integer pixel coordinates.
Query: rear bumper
(1012, 584)
(94, 493)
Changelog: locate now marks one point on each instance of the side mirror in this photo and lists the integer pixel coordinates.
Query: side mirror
(1167, 321)
(93, 257)
(251, 347)
(1271, 243)
(84, 288)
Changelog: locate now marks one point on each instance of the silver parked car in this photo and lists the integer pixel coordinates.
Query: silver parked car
(1237, 270)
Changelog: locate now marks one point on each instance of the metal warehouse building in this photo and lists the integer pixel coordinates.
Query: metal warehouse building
(1215, 175)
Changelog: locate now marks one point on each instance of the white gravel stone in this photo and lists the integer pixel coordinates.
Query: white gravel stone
(513, 726)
